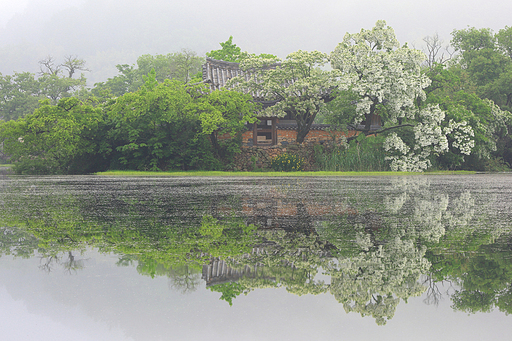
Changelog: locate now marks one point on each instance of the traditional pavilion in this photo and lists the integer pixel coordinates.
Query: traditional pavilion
(268, 131)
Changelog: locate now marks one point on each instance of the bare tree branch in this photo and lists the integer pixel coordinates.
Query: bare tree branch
(48, 66)
(436, 53)
(73, 64)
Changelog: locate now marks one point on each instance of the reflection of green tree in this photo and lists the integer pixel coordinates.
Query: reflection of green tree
(229, 291)
(47, 222)
(16, 242)
(184, 278)
(68, 261)
(485, 279)
(53, 225)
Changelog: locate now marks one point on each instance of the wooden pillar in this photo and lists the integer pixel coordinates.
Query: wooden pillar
(255, 134)
(274, 131)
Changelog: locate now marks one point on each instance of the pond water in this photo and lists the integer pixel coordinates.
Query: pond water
(394, 258)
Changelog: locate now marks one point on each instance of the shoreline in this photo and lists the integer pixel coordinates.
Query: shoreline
(272, 174)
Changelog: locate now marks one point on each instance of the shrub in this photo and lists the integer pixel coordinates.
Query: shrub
(287, 163)
(37, 166)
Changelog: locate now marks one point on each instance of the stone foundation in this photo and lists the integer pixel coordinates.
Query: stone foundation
(260, 158)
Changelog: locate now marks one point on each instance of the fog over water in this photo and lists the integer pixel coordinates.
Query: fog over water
(110, 32)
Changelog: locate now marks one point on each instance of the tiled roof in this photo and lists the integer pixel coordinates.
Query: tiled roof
(218, 72)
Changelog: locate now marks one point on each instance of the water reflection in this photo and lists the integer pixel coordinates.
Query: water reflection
(370, 243)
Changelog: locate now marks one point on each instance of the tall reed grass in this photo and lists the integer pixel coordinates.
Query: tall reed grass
(365, 154)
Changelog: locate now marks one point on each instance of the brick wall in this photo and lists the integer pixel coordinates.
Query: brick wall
(287, 137)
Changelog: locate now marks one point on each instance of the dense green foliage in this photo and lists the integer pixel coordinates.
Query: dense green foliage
(20, 93)
(184, 66)
(156, 127)
(161, 126)
(55, 139)
(475, 86)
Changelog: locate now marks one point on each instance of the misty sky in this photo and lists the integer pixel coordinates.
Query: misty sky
(110, 32)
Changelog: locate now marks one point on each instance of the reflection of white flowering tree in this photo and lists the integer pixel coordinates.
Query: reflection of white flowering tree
(428, 214)
(380, 264)
(388, 81)
(373, 283)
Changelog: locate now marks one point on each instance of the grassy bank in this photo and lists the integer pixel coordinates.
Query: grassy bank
(269, 174)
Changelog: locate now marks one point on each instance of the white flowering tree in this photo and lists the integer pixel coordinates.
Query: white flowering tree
(387, 81)
(297, 85)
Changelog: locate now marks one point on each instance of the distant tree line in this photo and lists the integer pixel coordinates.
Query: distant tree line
(448, 108)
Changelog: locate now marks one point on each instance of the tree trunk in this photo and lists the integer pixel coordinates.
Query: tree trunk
(215, 143)
(301, 135)
(303, 126)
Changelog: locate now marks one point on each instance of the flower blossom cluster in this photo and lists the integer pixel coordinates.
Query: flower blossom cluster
(430, 138)
(462, 134)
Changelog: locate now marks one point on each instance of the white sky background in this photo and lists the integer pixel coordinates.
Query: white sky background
(118, 31)
(10, 8)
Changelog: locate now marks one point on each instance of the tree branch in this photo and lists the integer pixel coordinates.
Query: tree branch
(375, 132)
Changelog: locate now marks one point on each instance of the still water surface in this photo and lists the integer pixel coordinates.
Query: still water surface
(393, 258)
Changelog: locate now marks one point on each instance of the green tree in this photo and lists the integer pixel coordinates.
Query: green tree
(56, 87)
(53, 138)
(19, 95)
(472, 39)
(186, 66)
(232, 53)
(156, 128)
(504, 38)
(128, 80)
(228, 53)
(226, 112)
(183, 66)
(229, 291)
(487, 59)
(167, 125)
